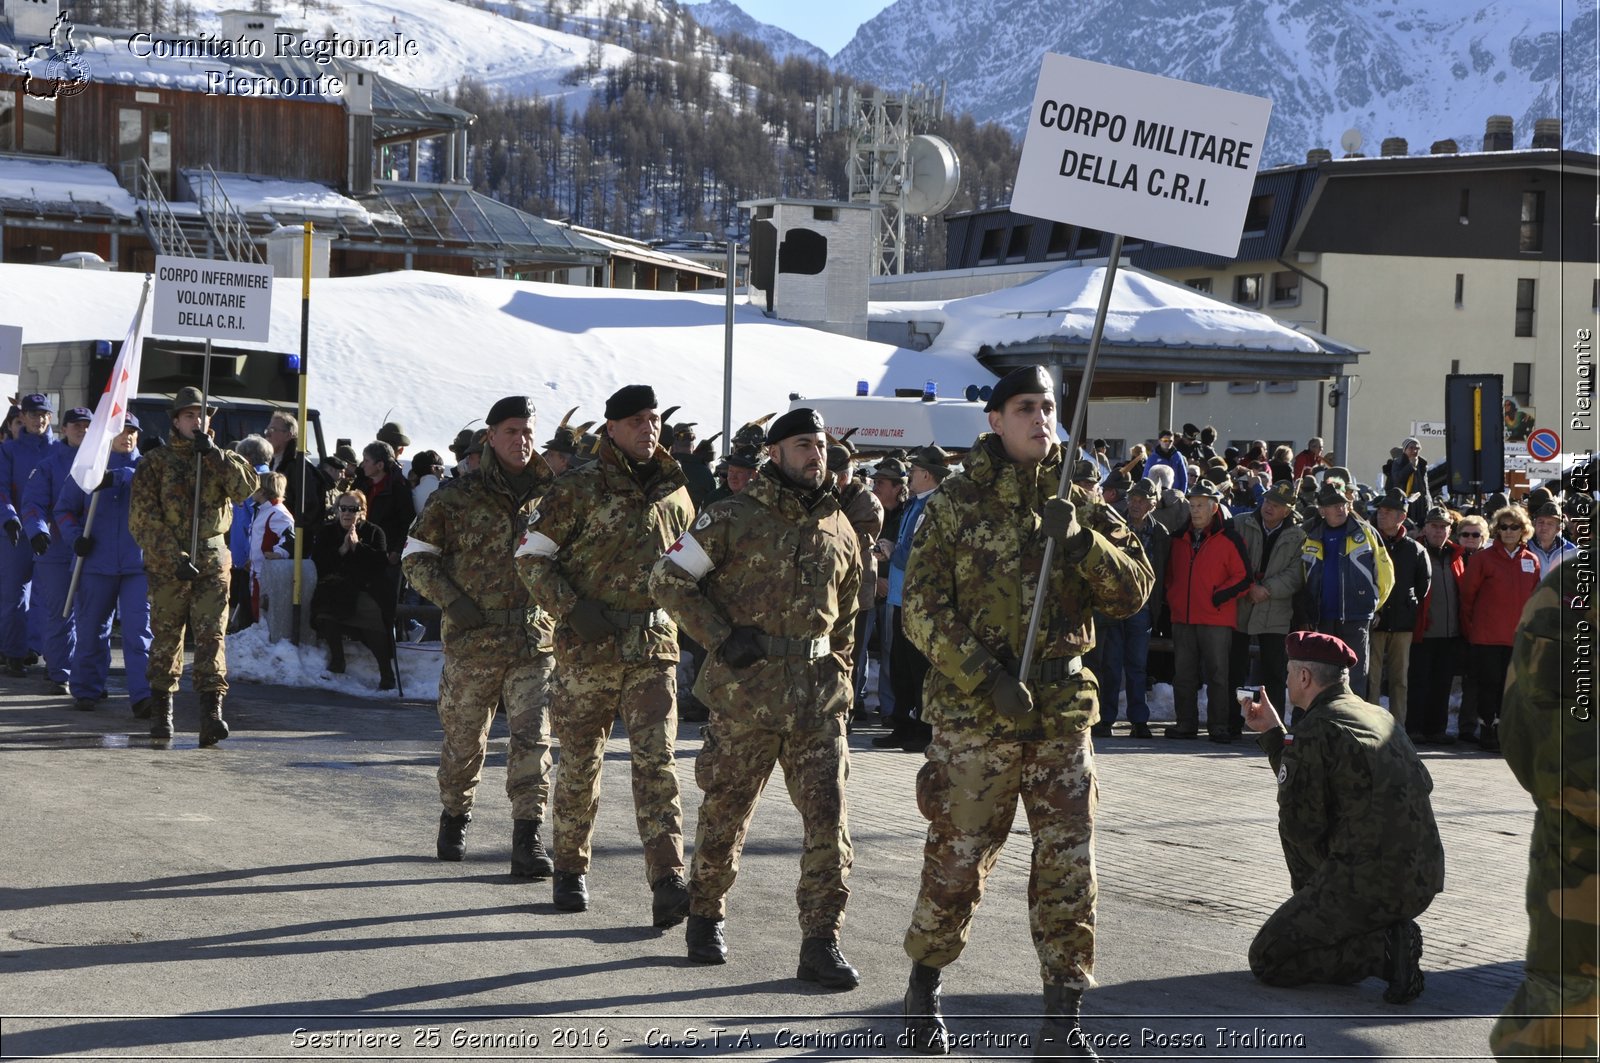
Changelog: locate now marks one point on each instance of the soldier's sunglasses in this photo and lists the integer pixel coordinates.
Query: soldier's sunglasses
(349, 509)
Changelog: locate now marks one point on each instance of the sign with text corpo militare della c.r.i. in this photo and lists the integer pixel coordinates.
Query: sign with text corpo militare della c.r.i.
(1141, 155)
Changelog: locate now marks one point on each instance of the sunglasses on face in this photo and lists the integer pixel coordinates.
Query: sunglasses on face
(1508, 527)
(349, 509)
(1472, 535)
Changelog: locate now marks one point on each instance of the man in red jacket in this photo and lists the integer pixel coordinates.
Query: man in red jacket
(1206, 574)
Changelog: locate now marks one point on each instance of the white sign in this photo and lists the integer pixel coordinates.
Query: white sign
(11, 349)
(1140, 155)
(214, 300)
(1428, 429)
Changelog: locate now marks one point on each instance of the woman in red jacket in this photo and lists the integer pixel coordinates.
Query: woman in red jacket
(1494, 588)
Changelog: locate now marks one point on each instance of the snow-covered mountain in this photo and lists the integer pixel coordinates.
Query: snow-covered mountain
(723, 16)
(1420, 69)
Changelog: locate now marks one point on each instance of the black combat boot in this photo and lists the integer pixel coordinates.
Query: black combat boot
(669, 901)
(143, 707)
(899, 732)
(569, 892)
(925, 1029)
(15, 668)
(161, 716)
(379, 645)
(213, 728)
(705, 940)
(333, 635)
(1060, 1037)
(452, 844)
(528, 858)
(1402, 962)
(822, 962)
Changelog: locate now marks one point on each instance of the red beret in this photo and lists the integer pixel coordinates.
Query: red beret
(1320, 648)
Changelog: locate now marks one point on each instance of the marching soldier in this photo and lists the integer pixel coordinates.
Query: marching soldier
(769, 578)
(188, 591)
(496, 643)
(587, 558)
(969, 586)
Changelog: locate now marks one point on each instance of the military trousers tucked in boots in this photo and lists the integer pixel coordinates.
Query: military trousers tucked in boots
(201, 605)
(484, 670)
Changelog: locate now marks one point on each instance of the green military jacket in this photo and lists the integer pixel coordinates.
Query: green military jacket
(1354, 811)
(461, 545)
(970, 583)
(1282, 574)
(597, 534)
(763, 558)
(161, 505)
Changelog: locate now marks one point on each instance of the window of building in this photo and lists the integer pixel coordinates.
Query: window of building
(1522, 382)
(1259, 214)
(1194, 387)
(1286, 288)
(1243, 387)
(1461, 289)
(989, 252)
(1524, 320)
(1247, 289)
(1060, 240)
(1532, 240)
(38, 125)
(1280, 387)
(1200, 284)
(1466, 199)
(1088, 242)
(1017, 248)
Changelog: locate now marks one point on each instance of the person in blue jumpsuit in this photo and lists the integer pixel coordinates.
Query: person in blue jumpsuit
(52, 567)
(18, 458)
(112, 580)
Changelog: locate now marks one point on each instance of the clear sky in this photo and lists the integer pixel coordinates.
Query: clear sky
(828, 24)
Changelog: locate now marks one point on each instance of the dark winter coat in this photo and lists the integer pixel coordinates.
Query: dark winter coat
(390, 507)
(342, 578)
(1413, 574)
(1457, 559)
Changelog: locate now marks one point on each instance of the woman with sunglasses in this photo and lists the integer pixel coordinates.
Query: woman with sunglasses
(1494, 588)
(351, 555)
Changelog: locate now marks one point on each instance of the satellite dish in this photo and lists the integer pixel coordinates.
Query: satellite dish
(934, 175)
(1351, 141)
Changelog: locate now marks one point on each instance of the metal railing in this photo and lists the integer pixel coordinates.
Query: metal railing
(227, 225)
(161, 224)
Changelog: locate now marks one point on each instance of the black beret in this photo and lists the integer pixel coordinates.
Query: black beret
(800, 422)
(630, 400)
(509, 407)
(1026, 380)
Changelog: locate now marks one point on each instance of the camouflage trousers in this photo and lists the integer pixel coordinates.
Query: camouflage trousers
(732, 769)
(1324, 935)
(201, 605)
(1552, 1015)
(472, 686)
(968, 792)
(584, 704)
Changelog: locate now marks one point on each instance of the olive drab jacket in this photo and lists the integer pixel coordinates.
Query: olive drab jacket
(462, 544)
(970, 586)
(597, 534)
(161, 506)
(767, 559)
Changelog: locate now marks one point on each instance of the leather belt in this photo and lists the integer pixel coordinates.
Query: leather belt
(811, 649)
(653, 618)
(508, 617)
(1055, 669)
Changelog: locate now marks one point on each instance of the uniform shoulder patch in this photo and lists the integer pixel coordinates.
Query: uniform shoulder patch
(1283, 774)
(703, 521)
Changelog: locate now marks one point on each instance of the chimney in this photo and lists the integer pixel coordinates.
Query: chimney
(31, 19)
(1394, 146)
(1319, 155)
(1445, 147)
(252, 26)
(1497, 133)
(1547, 133)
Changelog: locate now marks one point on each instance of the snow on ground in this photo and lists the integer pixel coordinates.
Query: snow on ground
(54, 181)
(253, 659)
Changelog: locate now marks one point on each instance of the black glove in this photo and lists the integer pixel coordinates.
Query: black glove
(1059, 520)
(105, 482)
(14, 532)
(40, 543)
(203, 443)
(1011, 696)
(186, 569)
(741, 649)
(83, 546)
(588, 619)
(464, 614)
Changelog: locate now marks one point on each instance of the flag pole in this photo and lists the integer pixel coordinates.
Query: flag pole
(199, 459)
(1080, 413)
(300, 503)
(77, 562)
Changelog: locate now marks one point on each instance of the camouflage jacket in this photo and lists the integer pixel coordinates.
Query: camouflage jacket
(161, 506)
(462, 543)
(1547, 724)
(970, 585)
(596, 534)
(763, 559)
(865, 514)
(1354, 811)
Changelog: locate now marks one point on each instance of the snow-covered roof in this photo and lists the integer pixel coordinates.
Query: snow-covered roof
(293, 199)
(75, 187)
(640, 250)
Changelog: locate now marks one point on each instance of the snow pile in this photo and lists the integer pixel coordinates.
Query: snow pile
(253, 659)
(90, 186)
(293, 200)
(1061, 304)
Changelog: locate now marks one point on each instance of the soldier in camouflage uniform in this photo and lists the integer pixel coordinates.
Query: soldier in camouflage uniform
(1547, 734)
(1356, 822)
(969, 587)
(769, 578)
(587, 559)
(496, 643)
(188, 591)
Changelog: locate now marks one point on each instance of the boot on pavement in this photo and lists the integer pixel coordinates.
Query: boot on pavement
(379, 645)
(1060, 1036)
(452, 844)
(528, 856)
(213, 728)
(160, 715)
(705, 940)
(925, 1029)
(1402, 962)
(333, 635)
(569, 891)
(669, 901)
(143, 707)
(822, 962)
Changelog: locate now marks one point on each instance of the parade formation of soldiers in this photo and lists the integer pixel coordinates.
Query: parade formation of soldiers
(570, 589)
